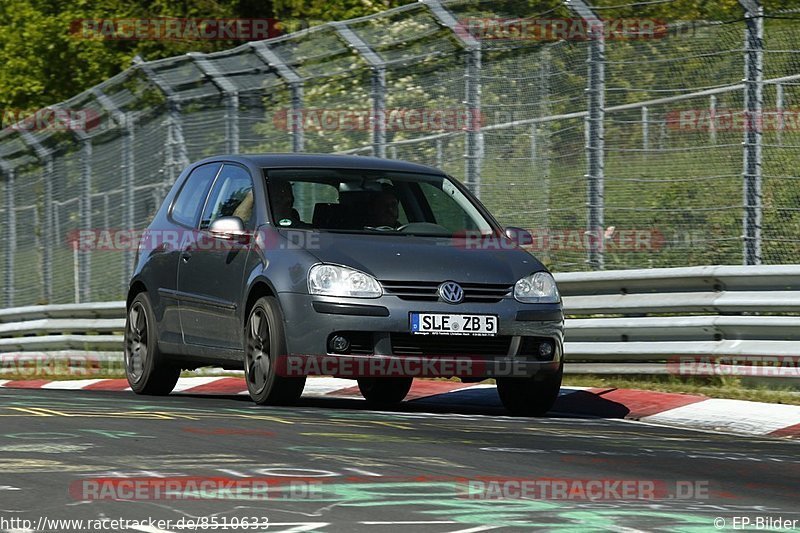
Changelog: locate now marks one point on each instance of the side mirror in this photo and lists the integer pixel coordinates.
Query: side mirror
(228, 228)
(519, 236)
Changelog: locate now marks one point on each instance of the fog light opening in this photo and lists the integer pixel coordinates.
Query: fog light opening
(339, 344)
(546, 351)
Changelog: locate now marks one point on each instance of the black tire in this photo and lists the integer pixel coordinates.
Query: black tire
(149, 371)
(384, 391)
(533, 396)
(265, 341)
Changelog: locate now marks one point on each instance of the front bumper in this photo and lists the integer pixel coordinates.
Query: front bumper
(381, 324)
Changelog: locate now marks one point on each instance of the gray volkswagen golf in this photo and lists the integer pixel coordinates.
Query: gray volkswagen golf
(289, 265)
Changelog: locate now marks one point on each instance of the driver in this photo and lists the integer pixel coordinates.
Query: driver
(384, 210)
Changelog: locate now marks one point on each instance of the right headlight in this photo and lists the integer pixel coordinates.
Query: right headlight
(335, 280)
(538, 288)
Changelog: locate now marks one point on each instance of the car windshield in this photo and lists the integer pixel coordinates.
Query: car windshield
(368, 201)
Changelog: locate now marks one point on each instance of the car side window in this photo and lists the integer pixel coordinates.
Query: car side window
(187, 205)
(232, 196)
(445, 209)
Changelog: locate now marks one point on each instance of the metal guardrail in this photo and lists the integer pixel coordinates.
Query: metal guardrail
(654, 315)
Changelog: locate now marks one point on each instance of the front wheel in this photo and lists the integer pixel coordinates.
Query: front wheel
(148, 370)
(265, 344)
(384, 390)
(532, 396)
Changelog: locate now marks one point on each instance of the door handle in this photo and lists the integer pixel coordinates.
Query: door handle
(185, 256)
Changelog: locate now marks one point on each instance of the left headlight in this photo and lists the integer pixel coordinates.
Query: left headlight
(333, 280)
(538, 288)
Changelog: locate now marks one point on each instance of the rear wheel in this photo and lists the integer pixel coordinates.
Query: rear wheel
(265, 344)
(148, 370)
(384, 390)
(532, 396)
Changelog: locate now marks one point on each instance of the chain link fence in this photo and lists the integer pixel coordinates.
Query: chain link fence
(618, 142)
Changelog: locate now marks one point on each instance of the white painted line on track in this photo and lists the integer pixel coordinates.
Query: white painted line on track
(755, 418)
(325, 385)
(474, 529)
(189, 383)
(407, 522)
(70, 384)
(298, 526)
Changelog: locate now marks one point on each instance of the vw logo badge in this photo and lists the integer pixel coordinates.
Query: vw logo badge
(451, 292)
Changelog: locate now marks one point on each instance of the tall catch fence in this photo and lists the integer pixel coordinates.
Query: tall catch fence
(617, 139)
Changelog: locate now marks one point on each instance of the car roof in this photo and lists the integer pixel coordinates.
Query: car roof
(294, 160)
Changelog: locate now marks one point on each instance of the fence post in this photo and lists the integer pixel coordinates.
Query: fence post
(379, 112)
(780, 103)
(595, 145)
(754, 103)
(128, 194)
(10, 239)
(177, 154)
(298, 134)
(645, 130)
(46, 157)
(543, 131)
(85, 256)
(127, 165)
(474, 155)
(378, 85)
(81, 259)
(231, 94)
(473, 149)
(712, 119)
(295, 82)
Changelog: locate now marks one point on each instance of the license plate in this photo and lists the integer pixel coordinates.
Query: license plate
(445, 324)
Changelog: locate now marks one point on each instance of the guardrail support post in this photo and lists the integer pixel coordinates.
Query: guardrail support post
(10, 249)
(754, 104)
(595, 140)
(378, 85)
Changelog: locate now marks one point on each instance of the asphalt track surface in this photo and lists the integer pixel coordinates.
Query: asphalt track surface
(335, 465)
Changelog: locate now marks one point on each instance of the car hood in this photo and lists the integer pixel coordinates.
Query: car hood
(409, 257)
